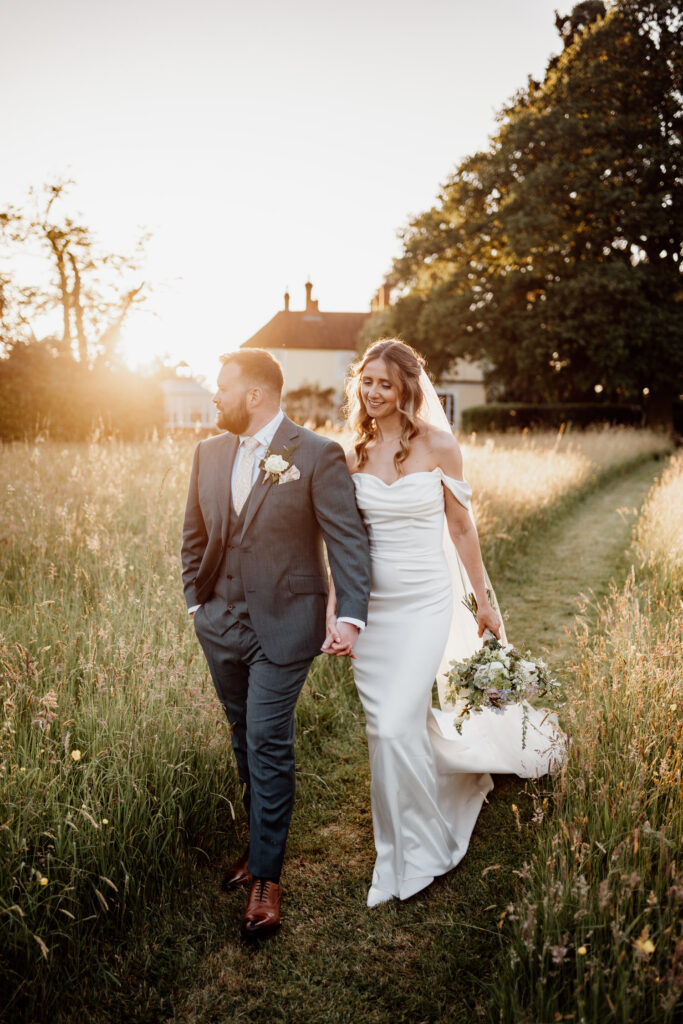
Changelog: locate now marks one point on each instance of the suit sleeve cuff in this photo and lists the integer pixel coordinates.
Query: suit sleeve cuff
(354, 622)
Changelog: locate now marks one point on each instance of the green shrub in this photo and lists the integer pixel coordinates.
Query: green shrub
(518, 415)
(45, 393)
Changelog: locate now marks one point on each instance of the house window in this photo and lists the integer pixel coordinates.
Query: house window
(449, 402)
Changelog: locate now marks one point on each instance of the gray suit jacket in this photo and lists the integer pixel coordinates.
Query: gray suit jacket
(281, 545)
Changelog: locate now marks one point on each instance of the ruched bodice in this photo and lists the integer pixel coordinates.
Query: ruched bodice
(405, 518)
(428, 782)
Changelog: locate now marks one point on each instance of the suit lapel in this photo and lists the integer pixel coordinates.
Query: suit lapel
(225, 488)
(286, 432)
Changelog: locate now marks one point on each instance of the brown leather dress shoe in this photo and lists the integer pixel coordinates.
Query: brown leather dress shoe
(262, 915)
(238, 874)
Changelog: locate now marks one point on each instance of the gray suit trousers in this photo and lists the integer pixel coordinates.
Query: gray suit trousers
(259, 698)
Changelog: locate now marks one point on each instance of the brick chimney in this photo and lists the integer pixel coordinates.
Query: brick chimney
(287, 301)
(311, 304)
(381, 299)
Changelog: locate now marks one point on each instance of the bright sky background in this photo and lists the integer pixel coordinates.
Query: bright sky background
(261, 143)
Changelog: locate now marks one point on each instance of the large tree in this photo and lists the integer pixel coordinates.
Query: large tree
(555, 256)
(70, 382)
(91, 290)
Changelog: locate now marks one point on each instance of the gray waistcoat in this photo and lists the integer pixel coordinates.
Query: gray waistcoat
(228, 601)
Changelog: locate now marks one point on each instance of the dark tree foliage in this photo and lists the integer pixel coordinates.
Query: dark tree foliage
(555, 256)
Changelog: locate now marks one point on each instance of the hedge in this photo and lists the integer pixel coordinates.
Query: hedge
(498, 416)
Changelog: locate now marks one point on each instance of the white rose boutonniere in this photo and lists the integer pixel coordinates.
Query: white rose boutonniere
(278, 467)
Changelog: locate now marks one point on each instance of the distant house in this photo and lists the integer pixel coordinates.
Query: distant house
(461, 387)
(316, 348)
(313, 347)
(187, 404)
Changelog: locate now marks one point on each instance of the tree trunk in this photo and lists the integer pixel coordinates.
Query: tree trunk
(109, 337)
(78, 312)
(64, 293)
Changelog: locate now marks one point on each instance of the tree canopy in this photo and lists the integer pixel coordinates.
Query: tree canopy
(93, 290)
(555, 255)
(71, 382)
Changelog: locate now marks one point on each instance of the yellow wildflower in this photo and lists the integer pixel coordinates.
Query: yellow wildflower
(76, 755)
(43, 880)
(644, 944)
(582, 951)
(105, 821)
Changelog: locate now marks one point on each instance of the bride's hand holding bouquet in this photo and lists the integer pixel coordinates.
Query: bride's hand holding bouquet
(496, 675)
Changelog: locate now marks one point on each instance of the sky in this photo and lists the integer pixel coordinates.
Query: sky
(261, 144)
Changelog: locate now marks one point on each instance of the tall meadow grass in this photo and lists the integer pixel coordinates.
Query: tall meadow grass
(116, 778)
(596, 933)
(521, 480)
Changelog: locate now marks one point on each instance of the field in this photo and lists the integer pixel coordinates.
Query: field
(119, 802)
(597, 927)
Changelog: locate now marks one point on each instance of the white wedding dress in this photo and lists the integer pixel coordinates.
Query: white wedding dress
(428, 782)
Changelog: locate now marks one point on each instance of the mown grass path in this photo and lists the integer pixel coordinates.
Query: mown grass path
(577, 555)
(428, 959)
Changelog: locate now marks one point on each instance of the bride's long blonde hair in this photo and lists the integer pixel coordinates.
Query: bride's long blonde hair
(404, 366)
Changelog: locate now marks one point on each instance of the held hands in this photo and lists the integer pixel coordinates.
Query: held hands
(487, 618)
(341, 638)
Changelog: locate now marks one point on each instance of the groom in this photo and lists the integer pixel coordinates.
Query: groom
(262, 499)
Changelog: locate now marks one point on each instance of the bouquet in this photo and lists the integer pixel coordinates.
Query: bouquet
(497, 675)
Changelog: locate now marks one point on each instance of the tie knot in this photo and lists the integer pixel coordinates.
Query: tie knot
(250, 444)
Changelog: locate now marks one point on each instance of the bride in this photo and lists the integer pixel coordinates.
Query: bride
(428, 782)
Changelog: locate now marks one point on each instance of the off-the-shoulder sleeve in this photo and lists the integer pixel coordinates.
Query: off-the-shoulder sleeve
(460, 489)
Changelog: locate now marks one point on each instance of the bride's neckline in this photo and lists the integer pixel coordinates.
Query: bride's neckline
(406, 476)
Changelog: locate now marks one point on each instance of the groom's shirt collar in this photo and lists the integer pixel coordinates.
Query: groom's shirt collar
(265, 435)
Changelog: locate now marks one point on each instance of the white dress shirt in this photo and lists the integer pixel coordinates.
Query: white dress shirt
(265, 438)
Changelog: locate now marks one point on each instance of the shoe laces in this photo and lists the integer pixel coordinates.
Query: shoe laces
(261, 890)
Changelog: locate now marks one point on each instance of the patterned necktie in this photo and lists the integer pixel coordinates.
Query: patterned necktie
(245, 471)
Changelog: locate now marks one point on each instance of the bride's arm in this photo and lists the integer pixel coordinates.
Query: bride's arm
(463, 533)
(331, 613)
(334, 643)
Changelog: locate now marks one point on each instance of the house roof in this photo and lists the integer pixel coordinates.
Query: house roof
(337, 331)
(309, 328)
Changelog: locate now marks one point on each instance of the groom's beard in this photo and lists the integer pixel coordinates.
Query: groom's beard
(236, 419)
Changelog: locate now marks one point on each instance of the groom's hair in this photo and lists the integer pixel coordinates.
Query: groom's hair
(257, 367)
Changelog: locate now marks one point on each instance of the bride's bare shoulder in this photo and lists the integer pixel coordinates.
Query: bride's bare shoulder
(444, 450)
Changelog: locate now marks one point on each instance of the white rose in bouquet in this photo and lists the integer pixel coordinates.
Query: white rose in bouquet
(528, 670)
